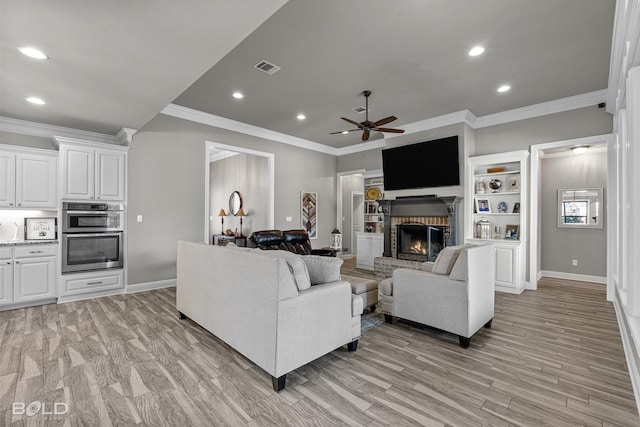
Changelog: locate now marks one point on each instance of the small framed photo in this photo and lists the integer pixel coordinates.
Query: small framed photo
(40, 228)
(513, 183)
(512, 232)
(516, 207)
(482, 205)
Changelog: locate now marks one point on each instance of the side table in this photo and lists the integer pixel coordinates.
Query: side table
(223, 240)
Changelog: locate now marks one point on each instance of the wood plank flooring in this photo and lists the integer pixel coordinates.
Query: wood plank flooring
(553, 357)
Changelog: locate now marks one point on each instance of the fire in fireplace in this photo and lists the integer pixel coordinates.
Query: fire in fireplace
(419, 242)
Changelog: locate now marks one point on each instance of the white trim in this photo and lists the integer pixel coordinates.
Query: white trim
(542, 109)
(630, 346)
(463, 116)
(147, 286)
(221, 156)
(208, 146)
(236, 126)
(601, 148)
(57, 140)
(339, 207)
(365, 146)
(24, 127)
(573, 276)
(29, 150)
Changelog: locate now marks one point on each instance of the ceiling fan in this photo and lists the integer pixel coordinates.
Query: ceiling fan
(366, 126)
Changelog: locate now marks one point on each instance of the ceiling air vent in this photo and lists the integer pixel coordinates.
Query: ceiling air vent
(267, 67)
(359, 110)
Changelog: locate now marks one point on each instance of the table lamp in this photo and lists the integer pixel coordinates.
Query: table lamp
(241, 214)
(222, 214)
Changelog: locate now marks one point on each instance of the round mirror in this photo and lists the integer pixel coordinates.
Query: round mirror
(235, 203)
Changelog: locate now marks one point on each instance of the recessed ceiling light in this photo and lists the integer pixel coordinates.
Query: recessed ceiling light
(504, 88)
(35, 100)
(580, 149)
(476, 50)
(344, 132)
(238, 95)
(301, 116)
(33, 52)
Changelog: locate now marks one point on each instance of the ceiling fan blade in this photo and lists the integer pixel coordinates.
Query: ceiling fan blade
(351, 121)
(390, 130)
(343, 131)
(365, 135)
(385, 121)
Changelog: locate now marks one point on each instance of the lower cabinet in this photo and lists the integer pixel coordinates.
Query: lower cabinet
(27, 275)
(77, 286)
(370, 246)
(509, 264)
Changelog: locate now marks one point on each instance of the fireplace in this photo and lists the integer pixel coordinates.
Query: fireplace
(419, 242)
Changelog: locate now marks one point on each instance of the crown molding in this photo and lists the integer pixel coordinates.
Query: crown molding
(464, 116)
(365, 146)
(542, 109)
(24, 127)
(240, 127)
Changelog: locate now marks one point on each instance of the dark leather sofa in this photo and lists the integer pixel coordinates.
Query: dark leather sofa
(296, 241)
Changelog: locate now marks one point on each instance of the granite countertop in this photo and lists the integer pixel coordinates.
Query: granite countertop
(26, 242)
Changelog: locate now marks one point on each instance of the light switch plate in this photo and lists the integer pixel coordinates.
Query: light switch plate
(289, 219)
(139, 218)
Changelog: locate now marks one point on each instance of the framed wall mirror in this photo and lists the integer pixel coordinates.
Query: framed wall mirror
(235, 203)
(580, 208)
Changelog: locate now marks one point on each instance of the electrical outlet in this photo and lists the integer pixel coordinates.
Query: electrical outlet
(139, 218)
(289, 219)
(574, 262)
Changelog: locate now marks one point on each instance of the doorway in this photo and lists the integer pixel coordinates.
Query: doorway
(357, 218)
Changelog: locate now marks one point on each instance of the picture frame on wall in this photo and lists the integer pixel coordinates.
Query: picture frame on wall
(309, 213)
(40, 228)
(483, 205)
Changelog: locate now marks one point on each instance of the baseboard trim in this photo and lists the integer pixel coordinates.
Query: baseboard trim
(629, 347)
(573, 276)
(148, 286)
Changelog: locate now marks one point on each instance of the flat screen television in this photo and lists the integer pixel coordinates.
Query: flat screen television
(425, 164)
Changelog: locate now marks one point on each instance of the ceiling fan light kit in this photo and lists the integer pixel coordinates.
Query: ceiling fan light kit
(367, 126)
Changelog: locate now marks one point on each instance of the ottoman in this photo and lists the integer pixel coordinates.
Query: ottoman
(366, 288)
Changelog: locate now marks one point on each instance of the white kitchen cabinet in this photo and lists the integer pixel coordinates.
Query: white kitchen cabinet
(370, 246)
(92, 171)
(508, 267)
(29, 178)
(85, 285)
(6, 276)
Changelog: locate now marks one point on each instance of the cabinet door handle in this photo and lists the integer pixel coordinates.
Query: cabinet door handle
(17, 262)
(10, 204)
(99, 282)
(35, 252)
(8, 262)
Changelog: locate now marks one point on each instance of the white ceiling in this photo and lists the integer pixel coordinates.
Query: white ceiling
(411, 54)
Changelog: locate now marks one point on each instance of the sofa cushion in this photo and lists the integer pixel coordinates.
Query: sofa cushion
(460, 270)
(296, 265)
(445, 260)
(322, 269)
(386, 287)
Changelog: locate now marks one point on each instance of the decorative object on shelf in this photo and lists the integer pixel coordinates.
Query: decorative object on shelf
(241, 214)
(40, 228)
(513, 183)
(373, 193)
(496, 232)
(497, 169)
(495, 185)
(336, 239)
(229, 232)
(502, 207)
(235, 203)
(380, 209)
(222, 214)
(483, 229)
(482, 205)
(480, 187)
(512, 232)
(309, 213)
(516, 207)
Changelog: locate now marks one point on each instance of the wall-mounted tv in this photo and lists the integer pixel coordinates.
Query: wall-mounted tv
(425, 164)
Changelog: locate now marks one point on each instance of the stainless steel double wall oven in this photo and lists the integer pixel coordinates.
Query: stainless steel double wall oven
(92, 236)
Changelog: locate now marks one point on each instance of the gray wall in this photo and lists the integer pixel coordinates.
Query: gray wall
(561, 245)
(166, 185)
(249, 175)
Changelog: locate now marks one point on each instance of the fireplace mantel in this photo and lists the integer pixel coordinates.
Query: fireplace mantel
(420, 206)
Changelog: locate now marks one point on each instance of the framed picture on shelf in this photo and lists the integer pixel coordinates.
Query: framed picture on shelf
(512, 232)
(513, 183)
(309, 213)
(40, 228)
(516, 207)
(482, 205)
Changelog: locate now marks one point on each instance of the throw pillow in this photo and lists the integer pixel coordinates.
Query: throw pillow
(322, 269)
(296, 265)
(445, 260)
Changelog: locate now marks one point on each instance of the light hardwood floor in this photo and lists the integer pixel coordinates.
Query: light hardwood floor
(553, 357)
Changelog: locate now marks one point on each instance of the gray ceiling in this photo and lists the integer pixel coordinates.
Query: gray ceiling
(411, 54)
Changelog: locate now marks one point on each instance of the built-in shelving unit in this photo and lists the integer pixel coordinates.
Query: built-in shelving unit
(496, 206)
(373, 215)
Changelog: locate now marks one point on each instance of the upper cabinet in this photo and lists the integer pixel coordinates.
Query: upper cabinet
(29, 178)
(91, 171)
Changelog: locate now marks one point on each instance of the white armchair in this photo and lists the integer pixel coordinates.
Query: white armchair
(457, 296)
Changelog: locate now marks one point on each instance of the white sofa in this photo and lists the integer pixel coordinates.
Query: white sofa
(457, 297)
(251, 301)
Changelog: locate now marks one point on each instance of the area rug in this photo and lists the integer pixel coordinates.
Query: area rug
(371, 320)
